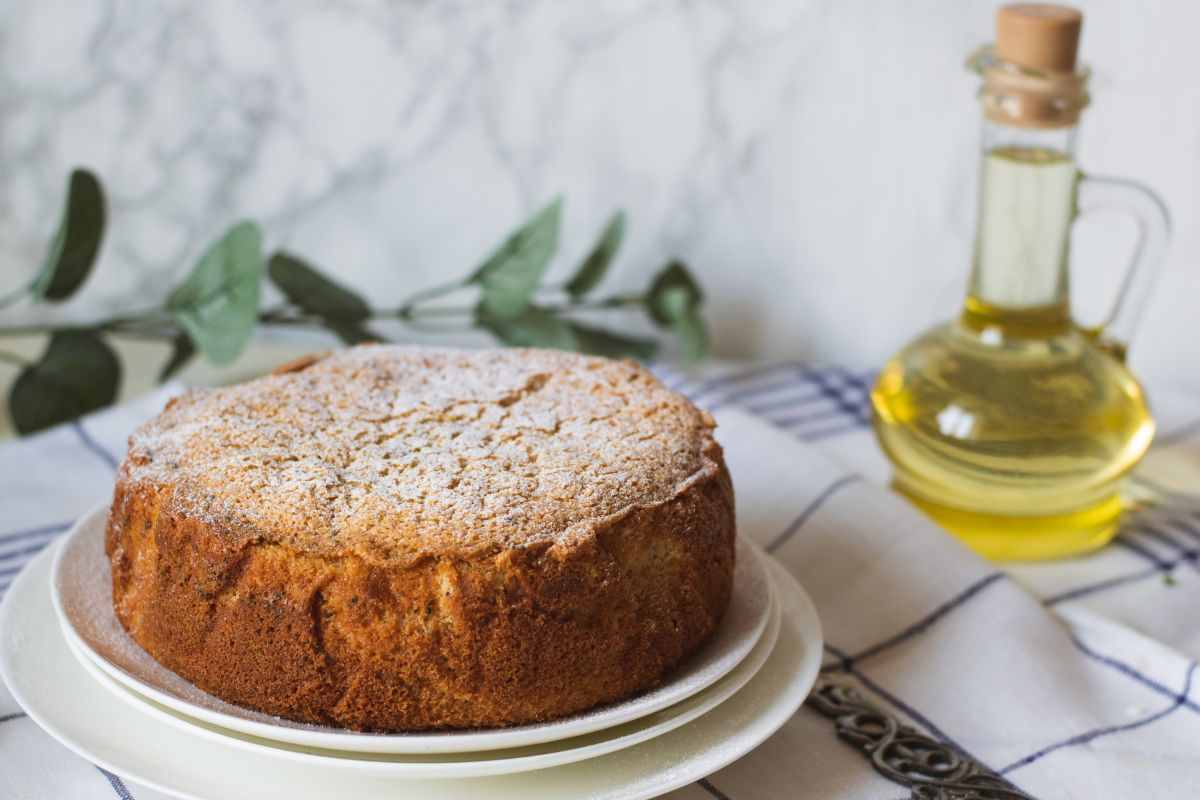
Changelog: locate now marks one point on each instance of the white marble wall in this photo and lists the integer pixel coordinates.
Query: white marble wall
(812, 160)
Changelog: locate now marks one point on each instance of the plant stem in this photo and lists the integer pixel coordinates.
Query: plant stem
(556, 308)
(34, 330)
(149, 335)
(407, 308)
(124, 323)
(157, 323)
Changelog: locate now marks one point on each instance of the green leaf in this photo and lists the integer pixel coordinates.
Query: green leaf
(512, 273)
(592, 270)
(218, 303)
(673, 294)
(692, 333)
(77, 374)
(76, 242)
(307, 288)
(533, 327)
(182, 351)
(674, 301)
(340, 309)
(605, 343)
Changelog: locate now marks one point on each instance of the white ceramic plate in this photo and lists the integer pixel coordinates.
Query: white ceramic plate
(61, 697)
(82, 590)
(467, 765)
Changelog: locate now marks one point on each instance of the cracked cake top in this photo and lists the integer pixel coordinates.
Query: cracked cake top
(400, 453)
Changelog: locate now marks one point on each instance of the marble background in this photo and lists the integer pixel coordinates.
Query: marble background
(813, 161)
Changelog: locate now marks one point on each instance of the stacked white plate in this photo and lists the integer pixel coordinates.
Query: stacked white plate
(72, 667)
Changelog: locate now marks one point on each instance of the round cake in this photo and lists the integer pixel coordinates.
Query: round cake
(394, 538)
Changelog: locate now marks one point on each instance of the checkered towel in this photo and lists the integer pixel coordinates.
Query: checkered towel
(944, 676)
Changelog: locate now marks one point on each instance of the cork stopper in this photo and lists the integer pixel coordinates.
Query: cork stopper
(1030, 78)
(1039, 36)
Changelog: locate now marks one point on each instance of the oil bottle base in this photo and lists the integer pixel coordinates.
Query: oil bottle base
(1027, 538)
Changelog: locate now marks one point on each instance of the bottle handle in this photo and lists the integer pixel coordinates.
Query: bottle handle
(1095, 193)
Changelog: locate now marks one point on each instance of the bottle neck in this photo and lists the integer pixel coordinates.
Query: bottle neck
(1019, 278)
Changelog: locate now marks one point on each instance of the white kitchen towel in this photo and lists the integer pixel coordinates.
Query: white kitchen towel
(944, 675)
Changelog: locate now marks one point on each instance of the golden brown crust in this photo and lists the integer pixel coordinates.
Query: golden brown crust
(524, 624)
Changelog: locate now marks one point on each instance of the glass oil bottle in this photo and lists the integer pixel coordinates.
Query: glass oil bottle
(1012, 426)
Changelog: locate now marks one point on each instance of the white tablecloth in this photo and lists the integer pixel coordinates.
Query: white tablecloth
(945, 676)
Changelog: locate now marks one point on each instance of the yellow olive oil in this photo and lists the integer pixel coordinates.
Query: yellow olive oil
(1010, 426)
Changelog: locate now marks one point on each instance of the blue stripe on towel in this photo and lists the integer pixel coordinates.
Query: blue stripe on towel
(42, 530)
(1084, 738)
(811, 509)
(957, 601)
(92, 445)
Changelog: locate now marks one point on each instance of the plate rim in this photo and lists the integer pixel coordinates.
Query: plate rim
(774, 705)
(487, 766)
(427, 743)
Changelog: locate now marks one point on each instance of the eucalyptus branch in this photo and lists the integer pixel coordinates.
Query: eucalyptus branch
(215, 311)
(135, 326)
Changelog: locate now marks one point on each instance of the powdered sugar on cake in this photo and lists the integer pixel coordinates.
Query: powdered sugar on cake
(395, 452)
